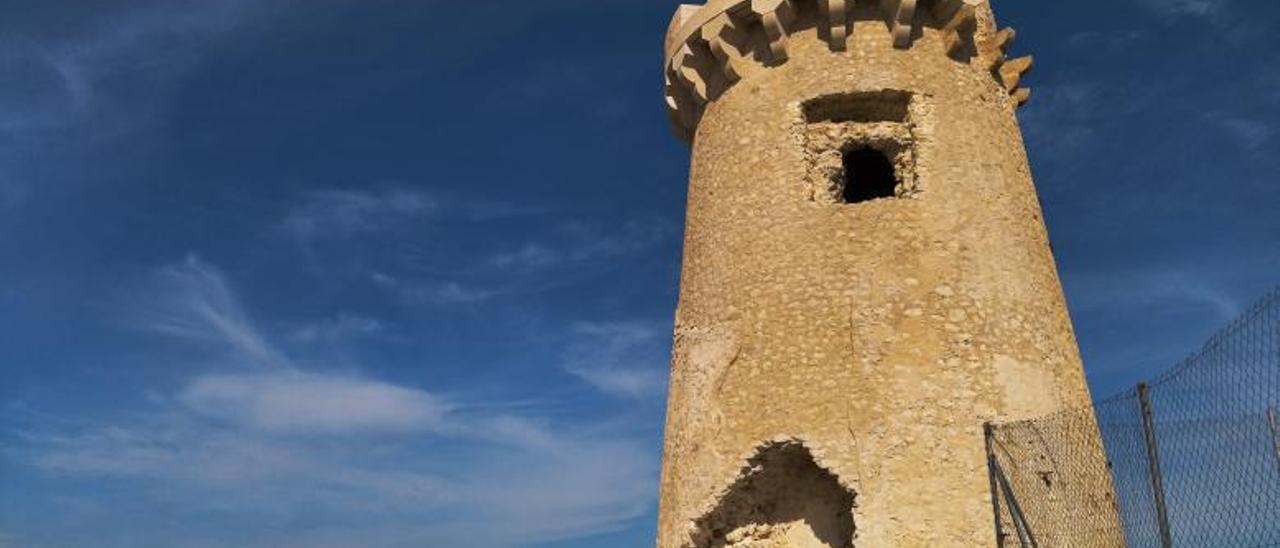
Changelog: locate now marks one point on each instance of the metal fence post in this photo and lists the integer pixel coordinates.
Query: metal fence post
(1025, 537)
(1153, 463)
(989, 433)
(1000, 484)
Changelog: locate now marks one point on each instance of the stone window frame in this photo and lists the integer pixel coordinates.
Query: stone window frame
(886, 120)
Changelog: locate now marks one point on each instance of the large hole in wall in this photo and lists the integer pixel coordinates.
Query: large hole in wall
(868, 175)
(782, 500)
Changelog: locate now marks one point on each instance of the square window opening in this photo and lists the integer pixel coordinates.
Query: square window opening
(861, 146)
(869, 174)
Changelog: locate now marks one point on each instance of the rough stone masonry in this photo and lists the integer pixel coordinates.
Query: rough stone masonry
(867, 279)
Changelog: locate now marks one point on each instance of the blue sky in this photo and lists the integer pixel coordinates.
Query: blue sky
(378, 273)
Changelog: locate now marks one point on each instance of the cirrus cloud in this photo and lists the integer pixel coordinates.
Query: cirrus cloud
(304, 402)
(388, 464)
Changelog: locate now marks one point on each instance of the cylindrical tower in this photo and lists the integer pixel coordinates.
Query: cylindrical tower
(867, 278)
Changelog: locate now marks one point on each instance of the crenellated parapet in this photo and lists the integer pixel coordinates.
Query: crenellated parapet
(708, 47)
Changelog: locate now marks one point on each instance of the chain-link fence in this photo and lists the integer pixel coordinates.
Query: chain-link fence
(1191, 458)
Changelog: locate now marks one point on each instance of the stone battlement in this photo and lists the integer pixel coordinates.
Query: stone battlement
(709, 47)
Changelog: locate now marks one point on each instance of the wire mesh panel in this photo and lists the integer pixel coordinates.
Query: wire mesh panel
(1058, 482)
(1191, 458)
(1217, 449)
(1121, 426)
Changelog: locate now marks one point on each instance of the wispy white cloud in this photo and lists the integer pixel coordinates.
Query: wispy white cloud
(499, 498)
(577, 243)
(1064, 118)
(286, 441)
(191, 301)
(1233, 22)
(529, 256)
(1250, 134)
(1113, 41)
(1062, 111)
(623, 359)
(524, 484)
(574, 250)
(1194, 8)
(302, 402)
(446, 293)
(338, 328)
(1070, 120)
(91, 81)
(59, 77)
(1148, 287)
(589, 242)
(576, 247)
(346, 213)
(452, 293)
(191, 460)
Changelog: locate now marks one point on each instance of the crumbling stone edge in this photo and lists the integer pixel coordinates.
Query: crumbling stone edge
(753, 465)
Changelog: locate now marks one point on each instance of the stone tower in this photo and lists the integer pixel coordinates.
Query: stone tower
(867, 278)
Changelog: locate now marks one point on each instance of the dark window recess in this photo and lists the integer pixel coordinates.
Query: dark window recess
(868, 175)
(861, 108)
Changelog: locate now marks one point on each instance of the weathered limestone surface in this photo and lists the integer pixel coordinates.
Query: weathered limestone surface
(875, 337)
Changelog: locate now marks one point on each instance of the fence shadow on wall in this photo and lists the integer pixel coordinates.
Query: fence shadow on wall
(1193, 456)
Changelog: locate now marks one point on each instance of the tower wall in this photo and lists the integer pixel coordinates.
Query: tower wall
(879, 336)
